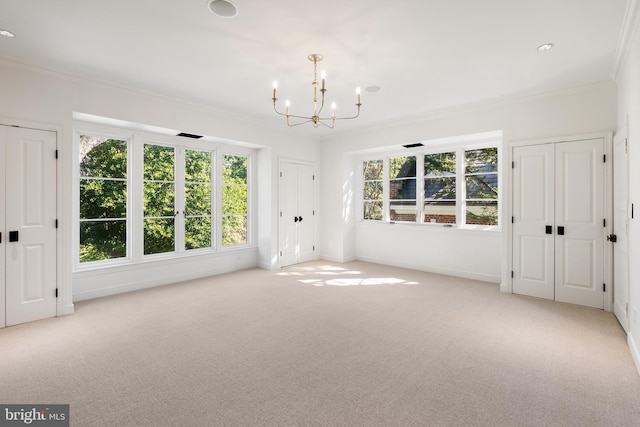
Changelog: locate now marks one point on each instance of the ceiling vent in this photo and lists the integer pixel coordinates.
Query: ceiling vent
(417, 144)
(189, 135)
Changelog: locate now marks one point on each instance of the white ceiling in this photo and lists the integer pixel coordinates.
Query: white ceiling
(425, 55)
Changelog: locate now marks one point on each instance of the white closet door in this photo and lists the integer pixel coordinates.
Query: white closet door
(579, 222)
(30, 239)
(533, 211)
(297, 216)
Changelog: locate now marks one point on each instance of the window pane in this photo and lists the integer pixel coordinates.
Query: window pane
(440, 188)
(440, 212)
(158, 163)
(403, 211)
(482, 186)
(234, 199)
(440, 164)
(372, 170)
(484, 160)
(103, 157)
(197, 199)
(100, 240)
(103, 199)
(159, 199)
(159, 235)
(197, 232)
(234, 230)
(402, 189)
(373, 210)
(402, 167)
(234, 169)
(197, 166)
(482, 212)
(372, 190)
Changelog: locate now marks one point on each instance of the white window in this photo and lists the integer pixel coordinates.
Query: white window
(454, 186)
(144, 196)
(103, 184)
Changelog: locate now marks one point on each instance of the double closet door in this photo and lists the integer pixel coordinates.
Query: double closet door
(27, 225)
(297, 213)
(558, 221)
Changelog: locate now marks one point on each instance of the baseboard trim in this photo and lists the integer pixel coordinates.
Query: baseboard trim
(437, 270)
(336, 259)
(152, 283)
(635, 352)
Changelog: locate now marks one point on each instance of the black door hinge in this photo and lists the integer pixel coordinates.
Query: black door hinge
(56, 154)
(512, 274)
(512, 220)
(56, 292)
(513, 165)
(604, 222)
(604, 158)
(604, 287)
(56, 223)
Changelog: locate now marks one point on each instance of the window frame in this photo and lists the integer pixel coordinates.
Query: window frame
(136, 139)
(459, 147)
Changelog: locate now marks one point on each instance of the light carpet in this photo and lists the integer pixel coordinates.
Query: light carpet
(326, 344)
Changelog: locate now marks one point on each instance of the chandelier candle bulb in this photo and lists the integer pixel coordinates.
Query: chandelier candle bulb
(287, 104)
(323, 75)
(333, 110)
(358, 94)
(275, 87)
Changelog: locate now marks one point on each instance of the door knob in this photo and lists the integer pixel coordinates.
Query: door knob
(549, 229)
(13, 236)
(300, 218)
(560, 231)
(295, 219)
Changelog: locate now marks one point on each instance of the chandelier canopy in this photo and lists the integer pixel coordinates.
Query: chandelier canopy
(316, 118)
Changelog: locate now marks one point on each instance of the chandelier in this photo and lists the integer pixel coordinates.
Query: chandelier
(316, 118)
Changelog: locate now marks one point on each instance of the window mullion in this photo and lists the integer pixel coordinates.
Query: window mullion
(180, 196)
(386, 216)
(136, 198)
(420, 188)
(461, 188)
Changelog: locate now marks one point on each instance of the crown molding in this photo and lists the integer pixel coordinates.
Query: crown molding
(630, 25)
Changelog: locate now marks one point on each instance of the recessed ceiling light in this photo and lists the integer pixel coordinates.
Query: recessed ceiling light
(7, 33)
(545, 47)
(222, 8)
(372, 88)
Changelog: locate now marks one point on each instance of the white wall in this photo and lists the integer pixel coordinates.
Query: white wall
(48, 100)
(629, 115)
(474, 254)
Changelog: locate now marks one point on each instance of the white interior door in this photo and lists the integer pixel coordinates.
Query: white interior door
(579, 242)
(29, 236)
(621, 229)
(558, 230)
(533, 212)
(297, 216)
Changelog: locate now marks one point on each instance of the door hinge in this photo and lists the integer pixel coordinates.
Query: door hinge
(512, 274)
(604, 287)
(604, 158)
(280, 174)
(512, 220)
(56, 292)
(612, 238)
(56, 223)
(314, 212)
(604, 222)
(281, 214)
(513, 165)
(313, 177)
(280, 253)
(314, 248)
(56, 154)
